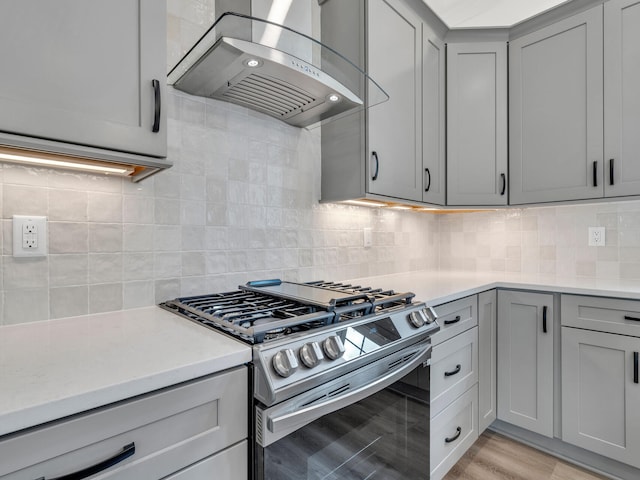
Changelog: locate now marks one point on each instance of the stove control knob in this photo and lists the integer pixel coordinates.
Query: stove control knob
(333, 347)
(417, 318)
(311, 354)
(285, 362)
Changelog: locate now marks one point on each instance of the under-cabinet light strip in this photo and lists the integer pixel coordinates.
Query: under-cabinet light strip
(44, 159)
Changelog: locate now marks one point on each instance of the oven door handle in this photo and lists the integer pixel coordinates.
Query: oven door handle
(292, 421)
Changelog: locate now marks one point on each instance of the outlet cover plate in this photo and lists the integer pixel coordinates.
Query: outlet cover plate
(30, 236)
(597, 237)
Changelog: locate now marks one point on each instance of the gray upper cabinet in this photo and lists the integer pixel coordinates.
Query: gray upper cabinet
(556, 111)
(394, 61)
(477, 123)
(81, 73)
(433, 117)
(395, 150)
(622, 97)
(525, 360)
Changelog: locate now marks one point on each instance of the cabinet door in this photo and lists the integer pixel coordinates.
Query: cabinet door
(556, 111)
(600, 400)
(477, 124)
(433, 117)
(81, 72)
(622, 97)
(394, 139)
(487, 357)
(525, 360)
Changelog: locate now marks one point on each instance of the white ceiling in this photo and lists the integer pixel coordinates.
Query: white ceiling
(488, 13)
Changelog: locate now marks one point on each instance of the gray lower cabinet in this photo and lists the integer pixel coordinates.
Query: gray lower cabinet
(600, 386)
(556, 111)
(477, 123)
(525, 360)
(600, 399)
(487, 359)
(81, 73)
(621, 97)
(453, 384)
(188, 431)
(395, 150)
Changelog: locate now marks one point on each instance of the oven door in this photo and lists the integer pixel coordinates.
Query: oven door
(359, 426)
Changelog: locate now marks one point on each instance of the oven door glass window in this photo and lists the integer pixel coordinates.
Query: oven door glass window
(385, 437)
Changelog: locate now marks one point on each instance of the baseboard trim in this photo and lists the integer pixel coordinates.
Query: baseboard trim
(569, 453)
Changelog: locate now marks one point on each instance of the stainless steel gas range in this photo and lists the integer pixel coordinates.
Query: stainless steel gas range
(340, 377)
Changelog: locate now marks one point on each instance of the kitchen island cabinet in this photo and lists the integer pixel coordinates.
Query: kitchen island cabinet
(85, 78)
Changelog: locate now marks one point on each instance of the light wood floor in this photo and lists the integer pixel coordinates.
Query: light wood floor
(494, 456)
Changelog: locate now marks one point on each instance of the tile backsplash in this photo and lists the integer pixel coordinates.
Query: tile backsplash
(241, 203)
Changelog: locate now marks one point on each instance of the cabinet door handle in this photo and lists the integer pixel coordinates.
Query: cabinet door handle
(455, 320)
(544, 319)
(635, 367)
(426, 170)
(453, 372)
(375, 157)
(455, 437)
(158, 106)
(611, 180)
(635, 319)
(504, 183)
(595, 173)
(127, 451)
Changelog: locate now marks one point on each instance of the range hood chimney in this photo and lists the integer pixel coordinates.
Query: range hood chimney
(261, 54)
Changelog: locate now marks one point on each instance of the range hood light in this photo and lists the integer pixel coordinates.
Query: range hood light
(333, 97)
(45, 159)
(253, 63)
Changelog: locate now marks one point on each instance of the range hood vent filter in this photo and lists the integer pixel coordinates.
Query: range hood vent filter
(271, 94)
(227, 66)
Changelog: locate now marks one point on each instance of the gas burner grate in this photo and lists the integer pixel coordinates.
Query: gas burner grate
(256, 316)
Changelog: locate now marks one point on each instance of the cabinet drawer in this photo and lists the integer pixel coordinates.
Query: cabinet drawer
(456, 317)
(601, 314)
(452, 432)
(230, 464)
(171, 429)
(454, 369)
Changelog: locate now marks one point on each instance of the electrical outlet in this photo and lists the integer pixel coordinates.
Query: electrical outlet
(597, 237)
(366, 233)
(29, 236)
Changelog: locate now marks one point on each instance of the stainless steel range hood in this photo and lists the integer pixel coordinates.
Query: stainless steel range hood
(274, 68)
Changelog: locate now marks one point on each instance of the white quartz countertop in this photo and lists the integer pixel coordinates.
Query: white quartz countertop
(55, 368)
(435, 288)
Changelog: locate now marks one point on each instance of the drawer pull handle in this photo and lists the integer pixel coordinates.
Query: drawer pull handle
(635, 319)
(455, 320)
(635, 367)
(453, 372)
(544, 319)
(455, 437)
(127, 451)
